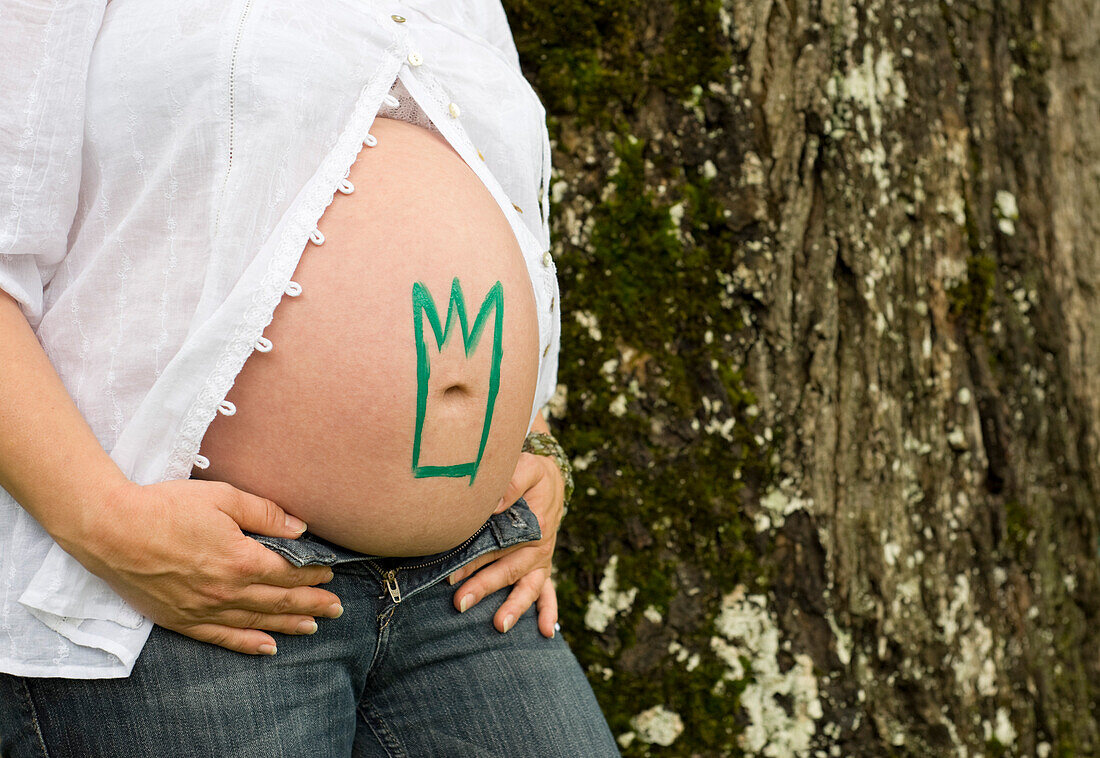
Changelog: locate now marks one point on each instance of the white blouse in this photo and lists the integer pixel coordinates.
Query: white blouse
(162, 166)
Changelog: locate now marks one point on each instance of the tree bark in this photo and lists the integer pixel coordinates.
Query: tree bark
(830, 370)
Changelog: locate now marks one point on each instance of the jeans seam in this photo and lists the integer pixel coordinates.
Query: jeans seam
(382, 644)
(32, 712)
(387, 739)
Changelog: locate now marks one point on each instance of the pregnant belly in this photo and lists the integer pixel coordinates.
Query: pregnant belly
(391, 411)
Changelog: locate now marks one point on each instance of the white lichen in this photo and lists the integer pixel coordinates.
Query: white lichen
(691, 661)
(582, 462)
(874, 83)
(676, 213)
(976, 671)
(588, 320)
(749, 631)
(558, 190)
(658, 726)
(611, 601)
(752, 169)
(777, 503)
(978, 655)
(1003, 731)
(731, 656)
(557, 403)
(843, 640)
(1005, 211)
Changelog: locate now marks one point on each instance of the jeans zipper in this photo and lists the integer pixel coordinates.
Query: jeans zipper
(389, 578)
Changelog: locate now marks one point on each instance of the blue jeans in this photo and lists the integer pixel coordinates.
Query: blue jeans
(408, 678)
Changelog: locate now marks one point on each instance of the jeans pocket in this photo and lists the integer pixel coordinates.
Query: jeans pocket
(516, 524)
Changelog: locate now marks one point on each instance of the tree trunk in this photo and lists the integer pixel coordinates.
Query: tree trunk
(830, 370)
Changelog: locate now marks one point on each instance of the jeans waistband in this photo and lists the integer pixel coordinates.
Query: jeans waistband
(512, 526)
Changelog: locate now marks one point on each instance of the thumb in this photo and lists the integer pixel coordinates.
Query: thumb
(524, 478)
(261, 516)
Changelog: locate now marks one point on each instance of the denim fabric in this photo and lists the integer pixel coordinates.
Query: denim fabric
(411, 678)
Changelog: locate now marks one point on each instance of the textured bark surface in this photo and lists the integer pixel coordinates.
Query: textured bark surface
(830, 370)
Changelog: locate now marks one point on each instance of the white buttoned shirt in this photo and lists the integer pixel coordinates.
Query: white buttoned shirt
(162, 166)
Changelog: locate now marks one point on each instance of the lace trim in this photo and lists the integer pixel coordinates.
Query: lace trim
(408, 109)
(281, 266)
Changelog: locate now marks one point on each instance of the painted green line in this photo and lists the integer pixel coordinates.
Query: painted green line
(424, 308)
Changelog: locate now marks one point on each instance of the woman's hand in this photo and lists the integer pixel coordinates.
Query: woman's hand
(527, 566)
(175, 551)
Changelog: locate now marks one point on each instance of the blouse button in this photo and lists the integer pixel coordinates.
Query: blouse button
(547, 259)
(398, 19)
(415, 59)
(453, 108)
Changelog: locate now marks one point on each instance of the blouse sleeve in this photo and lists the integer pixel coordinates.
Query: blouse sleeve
(46, 46)
(491, 22)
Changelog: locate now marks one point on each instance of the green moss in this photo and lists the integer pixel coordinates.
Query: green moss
(1018, 528)
(598, 61)
(664, 361)
(668, 500)
(972, 298)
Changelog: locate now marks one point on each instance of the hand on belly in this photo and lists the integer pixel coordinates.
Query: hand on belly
(391, 411)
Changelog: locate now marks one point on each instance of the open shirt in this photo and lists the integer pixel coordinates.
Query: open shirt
(162, 166)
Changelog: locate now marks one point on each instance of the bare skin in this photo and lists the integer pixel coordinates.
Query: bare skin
(325, 421)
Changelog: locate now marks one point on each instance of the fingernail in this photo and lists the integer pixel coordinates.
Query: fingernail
(451, 578)
(335, 611)
(465, 603)
(295, 524)
(508, 621)
(500, 503)
(551, 634)
(267, 650)
(330, 577)
(307, 627)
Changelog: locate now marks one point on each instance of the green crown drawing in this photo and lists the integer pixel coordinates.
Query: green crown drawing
(424, 309)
